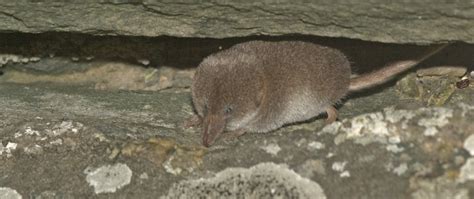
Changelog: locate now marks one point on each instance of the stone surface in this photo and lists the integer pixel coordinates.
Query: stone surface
(467, 171)
(469, 144)
(265, 180)
(456, 71)
(395, 22)
(8, 193)
(108, 178)
(431, 90)
(106, 76)
(61, 130)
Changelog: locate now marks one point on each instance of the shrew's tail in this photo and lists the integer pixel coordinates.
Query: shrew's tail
(386, 73)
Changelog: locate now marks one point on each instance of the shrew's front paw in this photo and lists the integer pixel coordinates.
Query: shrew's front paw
(192, 122)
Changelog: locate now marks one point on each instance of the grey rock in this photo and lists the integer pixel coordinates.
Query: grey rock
(8, 193)
(265, 180)
(439, 188)
(397, 22)
(456, 71)
(467, 171)
(109, 178)
(469, 144)
(367, 161)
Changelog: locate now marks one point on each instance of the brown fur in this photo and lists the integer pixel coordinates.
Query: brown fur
(259, 86)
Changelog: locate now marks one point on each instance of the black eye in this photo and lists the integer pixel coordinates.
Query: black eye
(228, 109)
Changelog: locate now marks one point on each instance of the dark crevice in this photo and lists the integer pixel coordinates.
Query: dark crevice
(188, 52)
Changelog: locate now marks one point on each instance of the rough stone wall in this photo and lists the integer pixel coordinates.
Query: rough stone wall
(393, 22)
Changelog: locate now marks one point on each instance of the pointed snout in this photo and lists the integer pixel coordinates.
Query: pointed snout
(213, 126)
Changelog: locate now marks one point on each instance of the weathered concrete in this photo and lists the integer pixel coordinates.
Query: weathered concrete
(396, 22)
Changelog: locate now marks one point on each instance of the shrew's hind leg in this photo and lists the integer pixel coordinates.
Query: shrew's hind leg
(332, 114)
